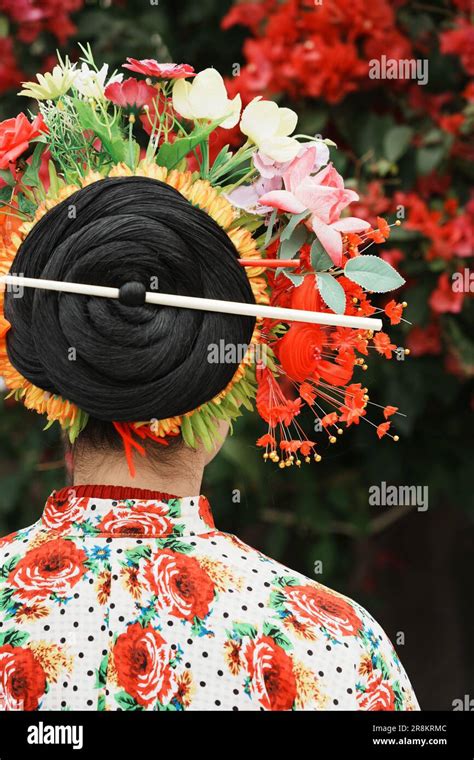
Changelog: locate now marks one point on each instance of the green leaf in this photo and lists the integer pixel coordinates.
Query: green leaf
(109, 134)
(428, 159)
(7, 177)
(320, 260)
(292, 224)
(30, 177)
(187, 432)
(274, 632)
(5, 194)
(53, 179)
(331, 292)
(271, 224)
(290, 247)
(201, 430)
(6, 598)
(126, 702)
(396, 142)
(170, 154)
(244, 629)
(9, 565)
(101, 672)
(296, 279)
(13, 637)
(373, 273)
(140, 552)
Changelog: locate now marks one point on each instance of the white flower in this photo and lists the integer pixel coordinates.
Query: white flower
(51, 85)
(269, 127)
(90, 83)
(206, 98)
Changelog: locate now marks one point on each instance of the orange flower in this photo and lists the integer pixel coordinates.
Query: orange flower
(266, 440)
(383, 428)
(394, 311)
(389, 410)
(354, 406)
(307, 393)
(383, 345)
(306, 448)
(329, 419)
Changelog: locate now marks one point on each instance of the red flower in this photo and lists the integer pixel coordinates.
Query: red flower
(53, 568)
(132, 95)
(182, 586)
(322, 607)
(460, 41)
(271, 674)
(444, 298)
(383, 346)
(424, 340)
(267, 440)
(140, 520)
(354, 405)
(378, 696)
(61, 513)
(152, 68)
(383, 428)
(22, 679)
(16, 135)
(142, 660)
(394, 311)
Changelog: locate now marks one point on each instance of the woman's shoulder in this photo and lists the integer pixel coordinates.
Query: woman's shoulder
(340, 654)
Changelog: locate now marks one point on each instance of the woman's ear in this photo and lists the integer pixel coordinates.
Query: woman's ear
(222, 432)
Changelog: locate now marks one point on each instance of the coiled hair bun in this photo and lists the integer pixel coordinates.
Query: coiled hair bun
(119, 362)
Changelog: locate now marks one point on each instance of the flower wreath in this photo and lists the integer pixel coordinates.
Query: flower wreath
(279, 199)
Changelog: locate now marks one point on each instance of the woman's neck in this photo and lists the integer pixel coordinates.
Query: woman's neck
(182, 478)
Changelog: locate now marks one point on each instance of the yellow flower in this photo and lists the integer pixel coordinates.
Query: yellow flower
(50, 86)
(186, 688)
(206, 98)
(52, 659)
(268, 126)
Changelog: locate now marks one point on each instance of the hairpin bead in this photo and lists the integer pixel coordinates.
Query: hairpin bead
(132, 294)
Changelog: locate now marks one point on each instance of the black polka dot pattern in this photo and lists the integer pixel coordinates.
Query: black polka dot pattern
(140, 603)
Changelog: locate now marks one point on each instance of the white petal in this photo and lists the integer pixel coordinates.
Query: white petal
(181, 104)
(288, 121)
(208, 96)
(281, 149)
(260, 120)
(234, 106)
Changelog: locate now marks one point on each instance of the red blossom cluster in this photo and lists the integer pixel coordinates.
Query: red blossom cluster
(315, 50)
(28, 19)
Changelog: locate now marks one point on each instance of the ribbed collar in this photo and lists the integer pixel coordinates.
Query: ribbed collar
(115, 511)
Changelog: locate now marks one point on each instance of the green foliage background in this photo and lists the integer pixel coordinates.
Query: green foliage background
(412, 569)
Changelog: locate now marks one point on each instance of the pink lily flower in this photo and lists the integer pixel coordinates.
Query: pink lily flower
(324, 195)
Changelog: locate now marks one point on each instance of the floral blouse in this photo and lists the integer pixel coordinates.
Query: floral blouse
(123, 599)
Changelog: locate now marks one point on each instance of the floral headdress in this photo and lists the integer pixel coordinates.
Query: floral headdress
(277, 196)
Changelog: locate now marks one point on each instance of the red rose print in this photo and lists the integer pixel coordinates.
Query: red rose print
(61, 513)
(378, 695)
(205, 512)
(321, 607)
(271, 672)
(53, 568)
(139, 520)
(22, 679)
(182, 586)
(142, 660)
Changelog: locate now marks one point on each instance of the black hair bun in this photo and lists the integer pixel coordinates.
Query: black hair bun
(116, 362)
